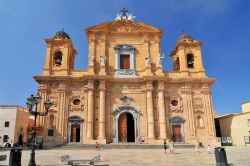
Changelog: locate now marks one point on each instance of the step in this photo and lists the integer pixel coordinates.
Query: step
(123, 146)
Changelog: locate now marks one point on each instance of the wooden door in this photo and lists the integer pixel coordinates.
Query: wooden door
(176, 133)
(122, 123)
(124, 61)
(74, 132)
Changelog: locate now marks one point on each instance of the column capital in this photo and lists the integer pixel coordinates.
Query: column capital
(90, 85)
(206, 91)
(186, 91)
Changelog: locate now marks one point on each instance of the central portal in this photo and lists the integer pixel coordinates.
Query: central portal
(126, 128)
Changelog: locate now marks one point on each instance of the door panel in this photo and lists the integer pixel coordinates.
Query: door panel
(124, 61)
(122, 127)
(75, 133)
(176, 133)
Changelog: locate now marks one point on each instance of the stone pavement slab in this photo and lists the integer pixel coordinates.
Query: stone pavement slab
(237, 156)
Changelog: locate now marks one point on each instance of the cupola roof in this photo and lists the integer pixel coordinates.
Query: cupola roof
(61, 34)
(184, 36)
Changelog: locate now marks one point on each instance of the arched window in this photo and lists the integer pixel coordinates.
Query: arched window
(200, 121)
(190, 61)
(177, 64)
(58, 58)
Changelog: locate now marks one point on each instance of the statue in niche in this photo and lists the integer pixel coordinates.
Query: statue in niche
(159, 60)
(91, 60)
(148, 61)
(103, 59)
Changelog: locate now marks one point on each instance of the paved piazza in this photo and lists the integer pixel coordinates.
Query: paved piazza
(235, 155)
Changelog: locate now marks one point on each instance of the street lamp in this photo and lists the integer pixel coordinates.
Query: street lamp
(32, 103)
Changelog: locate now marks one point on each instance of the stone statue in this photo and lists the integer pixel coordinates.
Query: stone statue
(118, 17)
(131, 17)
(91, 60)
(159, 60)
(103, 59)
(148, 61)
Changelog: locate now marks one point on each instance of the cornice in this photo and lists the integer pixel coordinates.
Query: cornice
(108, 78)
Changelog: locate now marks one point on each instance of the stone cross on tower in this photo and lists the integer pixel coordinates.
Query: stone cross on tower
(124, 15)
(124, 12)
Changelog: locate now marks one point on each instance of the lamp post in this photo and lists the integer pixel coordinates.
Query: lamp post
(32, 103)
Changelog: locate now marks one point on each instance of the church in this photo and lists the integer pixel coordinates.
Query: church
(125, 95)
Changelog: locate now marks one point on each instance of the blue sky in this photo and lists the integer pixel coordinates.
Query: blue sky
(222, 25)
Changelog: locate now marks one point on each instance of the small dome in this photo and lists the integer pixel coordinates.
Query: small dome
(185, 36)
(62, 34)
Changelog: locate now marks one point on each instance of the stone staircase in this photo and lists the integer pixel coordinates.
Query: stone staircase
(71, 146)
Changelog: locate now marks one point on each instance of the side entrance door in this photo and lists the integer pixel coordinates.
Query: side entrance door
(176, 133)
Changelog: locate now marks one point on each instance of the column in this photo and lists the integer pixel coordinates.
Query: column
(132, 60)
(117, 59)
(61, 109)
(207, 103)
(188, 110)
(101, 134)
(41, 121)
(151, 132)
(90, 110)
(161, 107)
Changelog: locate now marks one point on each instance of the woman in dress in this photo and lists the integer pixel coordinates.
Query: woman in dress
(171, 146)
(197, 145)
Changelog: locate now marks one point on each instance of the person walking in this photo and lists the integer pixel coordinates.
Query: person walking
(209, 149)
(165, 145)
(197, 145)
(171, 146)
(97, 146)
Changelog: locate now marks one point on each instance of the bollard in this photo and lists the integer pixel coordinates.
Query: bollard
(220, 156)
(15, 156)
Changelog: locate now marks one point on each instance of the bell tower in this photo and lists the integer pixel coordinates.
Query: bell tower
(187, 56)
(60, 55)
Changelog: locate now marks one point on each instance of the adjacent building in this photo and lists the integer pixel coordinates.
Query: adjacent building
(125, 93)
(13, 124)
(236, 126)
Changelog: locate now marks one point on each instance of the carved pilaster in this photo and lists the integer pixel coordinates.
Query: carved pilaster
(101, 134)
(90, 119)
(151, 132)
(208, 109)
(161, 107)
(186, 94)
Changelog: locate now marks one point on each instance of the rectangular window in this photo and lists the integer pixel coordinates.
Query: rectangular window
(5, 138)
(124, 61)
(6, 124)
(51, 132)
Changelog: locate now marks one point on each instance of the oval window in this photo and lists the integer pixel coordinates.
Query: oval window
(76, 102)
(174, 102)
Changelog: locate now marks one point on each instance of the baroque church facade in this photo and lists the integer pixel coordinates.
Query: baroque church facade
(125, 95)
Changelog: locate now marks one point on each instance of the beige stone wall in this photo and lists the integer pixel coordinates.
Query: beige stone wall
(22, 121)
(235, 126)
(245, 107)
(18, 119)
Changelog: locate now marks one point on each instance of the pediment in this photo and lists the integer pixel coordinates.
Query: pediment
(124, 26)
